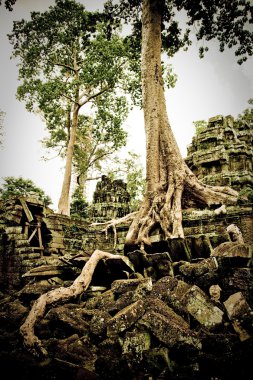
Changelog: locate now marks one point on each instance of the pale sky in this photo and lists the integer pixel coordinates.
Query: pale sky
(205, 88)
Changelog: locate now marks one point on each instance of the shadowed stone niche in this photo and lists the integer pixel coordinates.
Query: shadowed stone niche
(110, 200)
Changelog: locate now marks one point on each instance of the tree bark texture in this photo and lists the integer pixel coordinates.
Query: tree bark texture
(168, 177)
(64, 201)
(63, 295)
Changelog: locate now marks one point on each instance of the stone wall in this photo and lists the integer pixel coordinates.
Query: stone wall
(65, 239)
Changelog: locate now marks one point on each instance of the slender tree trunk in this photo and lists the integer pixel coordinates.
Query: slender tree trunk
(168, 177)
(64, 201)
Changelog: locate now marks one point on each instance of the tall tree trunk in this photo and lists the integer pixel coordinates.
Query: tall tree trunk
(64, 201)
(168, 177)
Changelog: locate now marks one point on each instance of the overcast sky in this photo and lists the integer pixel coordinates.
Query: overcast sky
(205, 88)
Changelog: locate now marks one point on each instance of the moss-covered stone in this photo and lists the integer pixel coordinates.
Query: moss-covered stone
(125, 318)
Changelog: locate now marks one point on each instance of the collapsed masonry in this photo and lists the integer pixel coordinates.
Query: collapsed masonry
(153, 319)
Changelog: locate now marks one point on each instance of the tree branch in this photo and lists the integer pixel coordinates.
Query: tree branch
(89, 98)
(64, 65)
(101, 156)
(113, 223)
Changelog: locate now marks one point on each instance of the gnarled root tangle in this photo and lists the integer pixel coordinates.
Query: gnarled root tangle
(163, 207)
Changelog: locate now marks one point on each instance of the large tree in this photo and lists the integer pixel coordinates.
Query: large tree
(170, 183)
(69, 58)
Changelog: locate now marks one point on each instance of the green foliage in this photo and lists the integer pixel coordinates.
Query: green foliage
(245, 196)
(78, 205)
(15, 187)
(100, 136)
(8, 4)
(170, 77)
(247, 115)
(229, 22)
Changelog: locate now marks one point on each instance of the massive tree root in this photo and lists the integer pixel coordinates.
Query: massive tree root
(163, 207)
(81, 283)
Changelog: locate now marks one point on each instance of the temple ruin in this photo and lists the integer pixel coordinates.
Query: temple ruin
(110, 200)
(221, 153)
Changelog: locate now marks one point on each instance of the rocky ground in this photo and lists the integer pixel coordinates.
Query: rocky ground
(162, 320)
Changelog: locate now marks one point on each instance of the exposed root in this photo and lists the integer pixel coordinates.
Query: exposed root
(113, 223)
(163, 208)
(81, 283)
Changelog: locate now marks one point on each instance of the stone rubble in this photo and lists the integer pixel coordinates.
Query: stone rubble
(166, 325)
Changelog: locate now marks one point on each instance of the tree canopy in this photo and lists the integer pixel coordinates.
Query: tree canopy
(70, 59)
(226, 21)
(16, 187)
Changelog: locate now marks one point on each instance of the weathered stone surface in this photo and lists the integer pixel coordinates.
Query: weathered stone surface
(161, 263)
(221, 154)
(158, 306)
(171, 290)
(125, 318)
(76, 350)
(198, 269)
(199, 306)
(111, 364)
(214, 292)
(70, 318)
(234, 254)
(191, 299)
(104, 301)
(99, 322)
(168, 331)
(122, 286)
(240, 314)
(157, 360)
(33, 291)
(161, 320)
(44, 270)
(237, 306)
(12, 313)
(233, 280)
(134, 345)
(124, 300)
